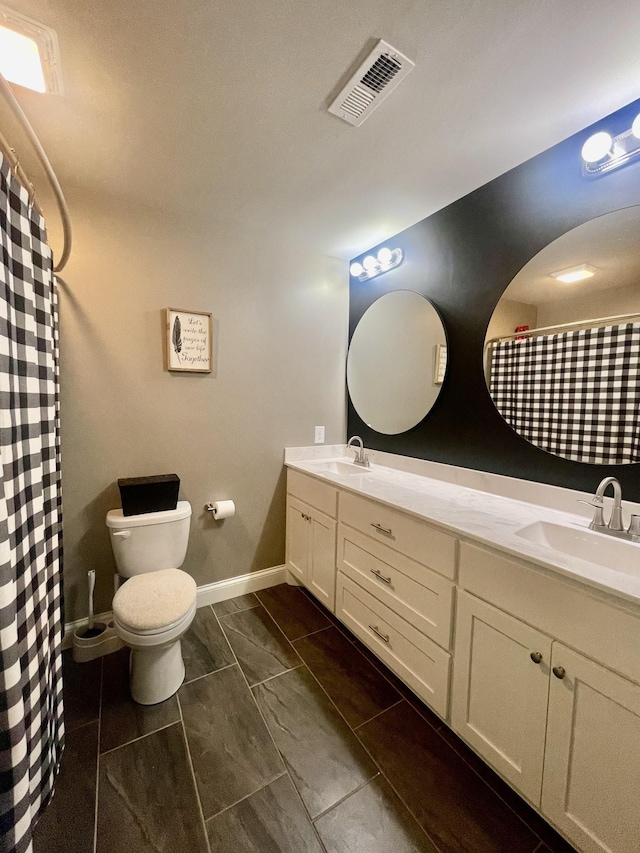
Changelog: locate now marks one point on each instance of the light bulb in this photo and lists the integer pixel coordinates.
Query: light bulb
(356, 269)
(635, 127)
(370, 263)
(385, 255)
(596, 147)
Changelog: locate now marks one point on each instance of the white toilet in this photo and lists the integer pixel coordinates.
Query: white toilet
(156, 605)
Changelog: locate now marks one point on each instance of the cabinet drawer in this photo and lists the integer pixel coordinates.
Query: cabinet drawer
(401, 532)
(313, 492)
(422, 597)
(418, 661)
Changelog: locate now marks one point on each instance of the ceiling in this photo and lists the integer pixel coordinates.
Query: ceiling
(217, 110)
(609, 243)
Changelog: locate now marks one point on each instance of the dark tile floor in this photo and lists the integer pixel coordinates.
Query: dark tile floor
(287, 736)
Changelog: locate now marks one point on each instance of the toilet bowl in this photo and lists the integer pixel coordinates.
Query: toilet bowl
(156, 604)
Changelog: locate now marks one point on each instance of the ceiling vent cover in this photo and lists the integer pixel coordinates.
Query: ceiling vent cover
(376, 78)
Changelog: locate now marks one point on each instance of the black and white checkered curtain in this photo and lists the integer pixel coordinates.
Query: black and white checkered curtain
(31, 727)
(575, 394)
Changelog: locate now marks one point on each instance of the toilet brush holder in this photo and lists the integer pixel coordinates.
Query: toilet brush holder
(95, 642)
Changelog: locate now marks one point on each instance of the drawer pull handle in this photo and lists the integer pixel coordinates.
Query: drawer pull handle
(536, 657)
(559, 672)
(379, 576)
(383, 637)
(386, 530)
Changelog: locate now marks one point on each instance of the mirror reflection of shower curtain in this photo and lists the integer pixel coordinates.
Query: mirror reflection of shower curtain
(575, 394)
(31, 726)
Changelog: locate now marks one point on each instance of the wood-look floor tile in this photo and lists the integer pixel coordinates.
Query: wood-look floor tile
(232, 753)
(147, 801)
(124, 720)
(373, 820)
(355, 686)
(81, 690)
(204, 647)
(68, 822)
(324, 757)
(233, 605)
(292, 610)
(272, 820)
(260, 646)
(459, 812)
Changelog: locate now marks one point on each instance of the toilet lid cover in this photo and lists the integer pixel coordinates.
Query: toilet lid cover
(154, 600)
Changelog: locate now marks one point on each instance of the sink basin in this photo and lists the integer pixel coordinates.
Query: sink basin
(345, 469)
(599, 548)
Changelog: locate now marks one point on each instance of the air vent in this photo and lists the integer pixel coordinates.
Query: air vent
(378, 75)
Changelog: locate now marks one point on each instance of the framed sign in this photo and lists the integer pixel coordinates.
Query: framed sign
(188, 341)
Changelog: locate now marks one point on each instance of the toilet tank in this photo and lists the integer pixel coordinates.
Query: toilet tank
(149, 541)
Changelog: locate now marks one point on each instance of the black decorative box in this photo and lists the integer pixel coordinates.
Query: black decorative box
(149, 494)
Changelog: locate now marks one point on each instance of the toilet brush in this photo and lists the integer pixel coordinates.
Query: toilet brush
(93, 629)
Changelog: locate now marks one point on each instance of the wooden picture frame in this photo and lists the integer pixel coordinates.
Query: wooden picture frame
(188, 344)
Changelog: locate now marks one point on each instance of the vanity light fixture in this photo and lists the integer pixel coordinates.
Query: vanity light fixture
(602, 153)
(373, 265)
(29, 54)
(577, 273)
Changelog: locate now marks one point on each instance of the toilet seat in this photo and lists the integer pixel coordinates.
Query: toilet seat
(154, 603)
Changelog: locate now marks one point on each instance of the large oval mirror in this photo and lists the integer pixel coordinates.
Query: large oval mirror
(396, 363)
(563, 345)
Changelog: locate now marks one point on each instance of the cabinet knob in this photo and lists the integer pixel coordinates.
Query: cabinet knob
(536, 657)
(559, 672)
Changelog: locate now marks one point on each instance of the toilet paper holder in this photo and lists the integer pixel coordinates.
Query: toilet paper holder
(221, 509)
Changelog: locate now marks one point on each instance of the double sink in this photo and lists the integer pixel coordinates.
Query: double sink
(572, 539)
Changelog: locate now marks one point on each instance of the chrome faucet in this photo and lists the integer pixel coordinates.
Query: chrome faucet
(615, 527)
(361, 458)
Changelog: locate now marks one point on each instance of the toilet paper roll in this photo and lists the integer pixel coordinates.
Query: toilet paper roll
(224, 509)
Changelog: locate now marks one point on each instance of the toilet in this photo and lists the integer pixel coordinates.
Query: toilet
(156, 605)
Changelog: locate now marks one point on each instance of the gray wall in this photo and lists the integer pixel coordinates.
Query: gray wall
(280, 345)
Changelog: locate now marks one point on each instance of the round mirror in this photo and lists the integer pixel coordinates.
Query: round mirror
(396, 363)
(563, 346)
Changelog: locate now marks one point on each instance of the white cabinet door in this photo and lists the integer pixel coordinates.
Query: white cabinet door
(321, 569)
(297, 538)
(591, 785)
(500, 691)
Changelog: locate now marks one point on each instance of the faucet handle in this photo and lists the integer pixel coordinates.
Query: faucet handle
(634, 528)
(598, 516)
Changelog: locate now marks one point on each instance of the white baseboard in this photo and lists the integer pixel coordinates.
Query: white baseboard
(210, 593)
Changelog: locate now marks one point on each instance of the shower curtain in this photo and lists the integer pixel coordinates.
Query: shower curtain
(575, 394)
(31, 727)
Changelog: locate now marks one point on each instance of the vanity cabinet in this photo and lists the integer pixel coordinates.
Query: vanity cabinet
(311, 536)
(591, 788)
(395, 591)
(562, 728)
(501, 690)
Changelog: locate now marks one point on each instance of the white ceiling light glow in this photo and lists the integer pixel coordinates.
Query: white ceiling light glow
(577, 273)
(374, 265)
(601, 152)
(29, 53)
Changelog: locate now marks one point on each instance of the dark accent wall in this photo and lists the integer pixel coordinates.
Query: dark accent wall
(462, 258)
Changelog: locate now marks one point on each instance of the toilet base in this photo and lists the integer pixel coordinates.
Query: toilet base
(156, 673)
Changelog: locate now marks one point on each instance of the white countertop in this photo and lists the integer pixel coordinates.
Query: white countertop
(478, 507)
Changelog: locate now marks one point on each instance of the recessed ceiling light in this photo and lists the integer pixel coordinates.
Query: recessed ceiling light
(29, 53)
(577, 273)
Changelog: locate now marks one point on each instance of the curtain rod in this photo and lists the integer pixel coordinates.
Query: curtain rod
(577, 324)
(46, 165)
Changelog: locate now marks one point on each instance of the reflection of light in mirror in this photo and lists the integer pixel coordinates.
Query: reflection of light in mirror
(577, 273)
